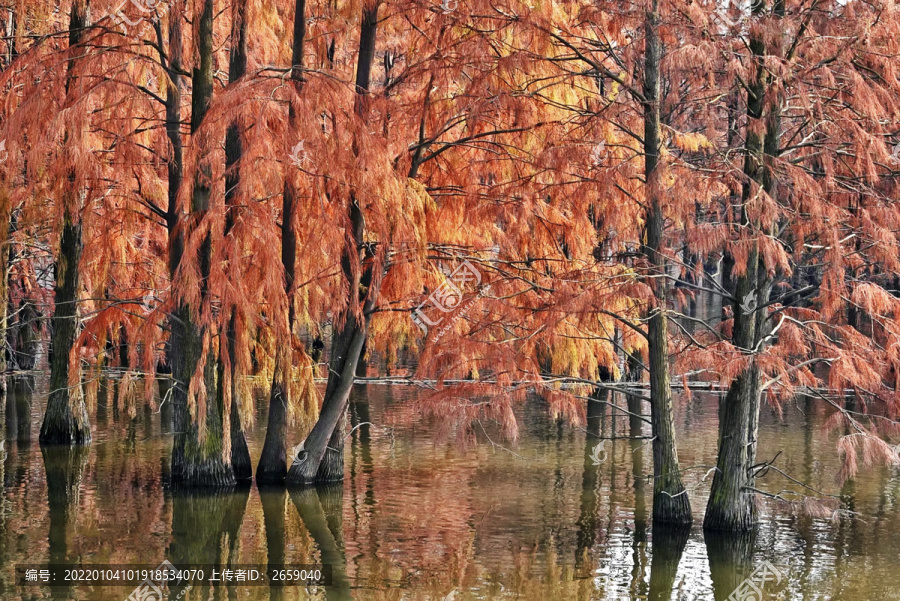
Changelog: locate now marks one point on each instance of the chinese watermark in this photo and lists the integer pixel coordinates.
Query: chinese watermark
(151, 590)
(598, 154)
(598, 455)
(3, 152)
(448, 297)
(748, 304)
(751, 589)
(448, 6)
(147, 13)
(298, 155)
(147, 303)
(733, 13)
(895, 154)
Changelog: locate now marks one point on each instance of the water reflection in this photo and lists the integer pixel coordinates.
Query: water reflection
(272, 500)
(17, 404)
(205, 531)
(668, 547)
(587, 515)
(422, 517)
(64, 468)
(322, 514)
(637, 445)
(730, 560)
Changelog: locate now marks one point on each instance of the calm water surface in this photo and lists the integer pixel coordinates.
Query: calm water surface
(421, 517)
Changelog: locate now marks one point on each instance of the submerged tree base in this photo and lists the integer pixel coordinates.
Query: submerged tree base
(672, 510)
(330, 470)
(61, 426)
(732, 503)
(272, 467)
(738, 514)
(207, 473)
(197, 465)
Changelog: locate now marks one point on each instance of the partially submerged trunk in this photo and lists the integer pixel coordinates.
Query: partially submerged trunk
(6, 252)
(240, 453)
(201, 453)
(197, 456)
(66, 419)
(331, 469)
(732, 503)
(272, 467)
(313, 464)
(18, 423)
(308, 467)
(586, 536)
(670, 501)
(5, 255)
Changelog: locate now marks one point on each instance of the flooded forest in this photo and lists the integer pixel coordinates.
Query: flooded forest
(450, 300)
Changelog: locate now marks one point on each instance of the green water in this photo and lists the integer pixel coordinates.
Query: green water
(427, 514)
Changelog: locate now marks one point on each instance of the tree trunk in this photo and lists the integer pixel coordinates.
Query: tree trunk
(670, 501)
(6, 210)
(366, 56)
(331, 469)
(272, 467)
(173, 132)
(349, 340)
(732, 504)
(346, 348)
(23, 332)
(66, 419)
(12, 50)
(240, 453)
(590, 477)
(23, 389)
(11, 426)
(199, 454)
(197, 457)
(362, 366)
